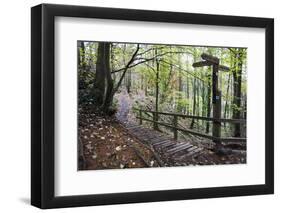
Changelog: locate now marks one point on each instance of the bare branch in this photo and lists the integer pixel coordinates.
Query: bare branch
(203, 81)
(148, 59)
(141, 62)
(126, 68)
(233, 51)
(151, 49)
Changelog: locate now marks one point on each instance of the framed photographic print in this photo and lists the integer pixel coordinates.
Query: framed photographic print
(139, 106)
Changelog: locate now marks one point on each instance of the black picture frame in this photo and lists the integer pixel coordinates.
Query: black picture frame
(43, 117)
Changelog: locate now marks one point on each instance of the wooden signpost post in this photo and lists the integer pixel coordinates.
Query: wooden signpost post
(209, 60)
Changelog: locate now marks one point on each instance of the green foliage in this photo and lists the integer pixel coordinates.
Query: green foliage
(86, 82)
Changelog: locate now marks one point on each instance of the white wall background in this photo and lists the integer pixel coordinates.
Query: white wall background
(15, 105)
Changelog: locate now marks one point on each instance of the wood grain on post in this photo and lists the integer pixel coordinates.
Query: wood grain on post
(202, 64)
(155, 119)
(140, 117)
(210, 58)
(217, 115)
(175, 124)
(215, 82)
(223, 68)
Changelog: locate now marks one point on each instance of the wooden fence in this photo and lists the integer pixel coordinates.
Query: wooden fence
(175, 128)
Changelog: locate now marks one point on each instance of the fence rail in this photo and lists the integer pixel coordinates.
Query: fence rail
(174, 125)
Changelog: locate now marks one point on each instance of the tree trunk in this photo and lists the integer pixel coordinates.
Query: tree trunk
(194, 103)
(109, 82)
(156, 92)
(198, 98)
(227, 95)
(208, 103)
(83, 58)
(187, 94)
(78, 53)
(102, 65)
(180, 89)
(129, 79)
(204, 102)
(180, 80)
(103, 90)
(237, 81)
(166, 87)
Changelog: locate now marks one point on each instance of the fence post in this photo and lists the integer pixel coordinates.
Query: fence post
(140, 117)
(217, 115)
(175, 124)
(155, 119)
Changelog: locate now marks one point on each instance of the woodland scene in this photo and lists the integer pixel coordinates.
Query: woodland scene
(160, 105)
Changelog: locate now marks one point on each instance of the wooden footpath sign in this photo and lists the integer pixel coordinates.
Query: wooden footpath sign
(209, 60)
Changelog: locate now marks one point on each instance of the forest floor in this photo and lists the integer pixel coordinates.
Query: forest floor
(107, 145)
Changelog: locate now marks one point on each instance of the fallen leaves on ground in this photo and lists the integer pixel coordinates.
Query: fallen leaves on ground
(107, 145)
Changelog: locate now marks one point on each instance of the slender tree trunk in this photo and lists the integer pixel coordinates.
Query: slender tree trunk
(145, 89)
(198, 98)
(142, 82)
(245, 108)
(204, 102)
(194, 103)
(157, 88)
(180, 80)
(166, 87)
(156, 92)
(129, 81)
(187, 94)
(227, 95)
(237, 80)
(228, 91)
(180, 89)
